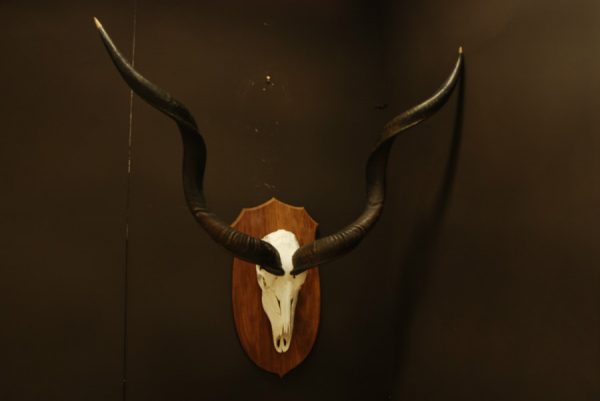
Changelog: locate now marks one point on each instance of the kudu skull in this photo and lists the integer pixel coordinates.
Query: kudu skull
(281, 262)
(280, 293)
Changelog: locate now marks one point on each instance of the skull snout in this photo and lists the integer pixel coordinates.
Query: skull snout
(283, 339)
(284, 325)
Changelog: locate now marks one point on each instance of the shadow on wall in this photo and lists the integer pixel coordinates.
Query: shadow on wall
(416, 267)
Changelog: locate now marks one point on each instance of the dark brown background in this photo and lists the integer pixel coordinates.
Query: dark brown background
(481, 282)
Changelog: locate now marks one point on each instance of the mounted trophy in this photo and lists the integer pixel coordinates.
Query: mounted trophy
(276, 288)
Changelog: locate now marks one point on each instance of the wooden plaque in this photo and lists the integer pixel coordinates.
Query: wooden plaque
(251, 322)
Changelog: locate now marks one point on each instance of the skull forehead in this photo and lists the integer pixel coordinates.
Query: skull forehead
(286, 244)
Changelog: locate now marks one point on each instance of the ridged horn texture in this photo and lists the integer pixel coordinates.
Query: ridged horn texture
(333, 246)
(241, 245)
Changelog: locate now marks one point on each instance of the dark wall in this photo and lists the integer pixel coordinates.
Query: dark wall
(63, 160)
(506, 304)
(481, 281)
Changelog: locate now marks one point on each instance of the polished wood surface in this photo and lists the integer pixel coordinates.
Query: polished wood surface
(252, 324)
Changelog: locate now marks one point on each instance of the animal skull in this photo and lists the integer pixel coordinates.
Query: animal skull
(280, 293)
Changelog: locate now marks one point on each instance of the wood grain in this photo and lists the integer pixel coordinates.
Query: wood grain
(252, 324)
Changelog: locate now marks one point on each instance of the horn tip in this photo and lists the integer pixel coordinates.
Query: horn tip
(98, 24)
(460, 50)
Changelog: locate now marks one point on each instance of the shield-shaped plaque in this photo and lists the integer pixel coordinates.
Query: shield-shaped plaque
(251, 322)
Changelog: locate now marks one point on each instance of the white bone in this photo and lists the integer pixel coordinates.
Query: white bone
(280, 293)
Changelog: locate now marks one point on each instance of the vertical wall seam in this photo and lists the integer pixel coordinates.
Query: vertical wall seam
(127, 212)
